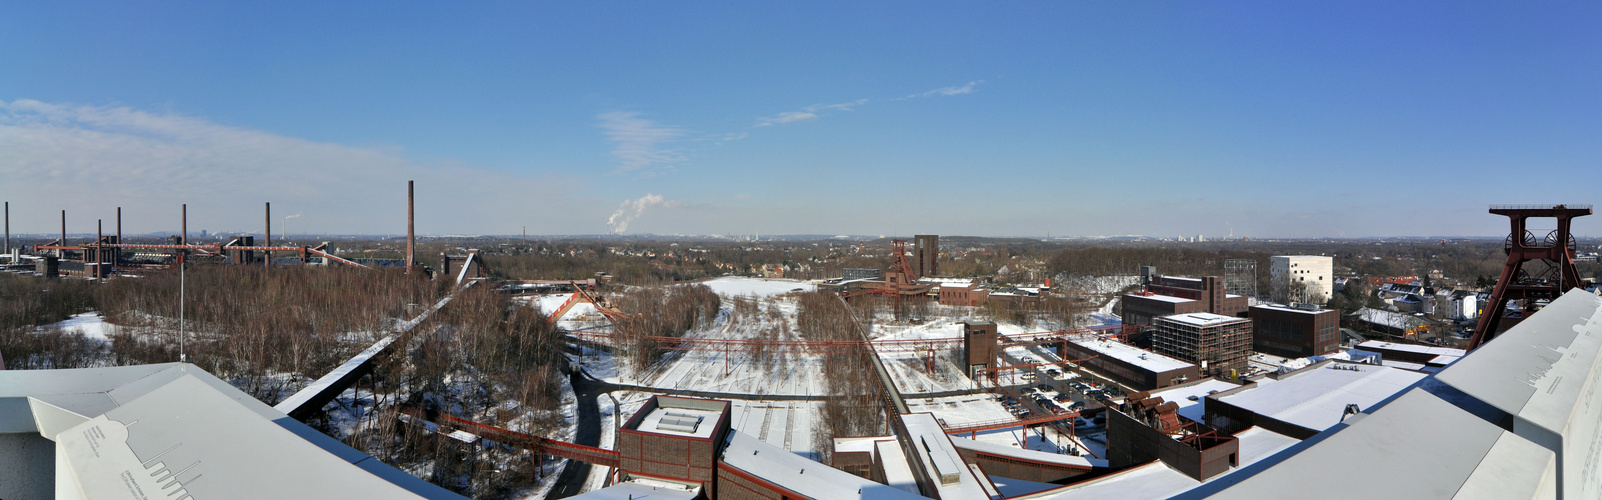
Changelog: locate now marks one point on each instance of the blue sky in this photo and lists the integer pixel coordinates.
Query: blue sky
(1265, 119)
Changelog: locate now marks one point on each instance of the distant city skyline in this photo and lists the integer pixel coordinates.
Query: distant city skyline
(1268, 120)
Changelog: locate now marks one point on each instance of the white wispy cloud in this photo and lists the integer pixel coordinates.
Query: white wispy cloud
(786, 117)
(808, 113)
(638, 143)
(844, 106)
(966, 88)
(149, 162)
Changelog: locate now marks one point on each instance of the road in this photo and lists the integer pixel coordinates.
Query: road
(576, 473)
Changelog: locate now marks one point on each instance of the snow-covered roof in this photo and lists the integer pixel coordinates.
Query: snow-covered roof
(1152, 361)
(1468, 457)
(1283, 307)
(1397, 320)
(940, 460)
(1157, 480)
(1316, 397)
(108, 421)
(1380, 346)
(677, 421)
(1163, 298)
(1541, 373)
(1026, 454)
(1203, 319)
(796, 473)
(1180, 395)
(640, 490)
(897, 469)
(855, 444)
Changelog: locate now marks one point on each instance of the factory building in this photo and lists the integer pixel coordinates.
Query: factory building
(1307, 401)
(963, 294)
(1299, 331)
(861, 273)
(1170, 295)
(674, 439)
(978, 347)
(927, 256)
(1220, 344)
(1129, 365)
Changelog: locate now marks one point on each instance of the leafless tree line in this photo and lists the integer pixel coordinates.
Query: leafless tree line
(855, 403)
(662, 311)
(26, 303)
(482, 358)
(246, 324)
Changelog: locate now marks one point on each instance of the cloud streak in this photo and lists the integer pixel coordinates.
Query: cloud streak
(786, 117)
(148, 163)
(812, 112)
(638, 143)
(808, 113)
(967, 88)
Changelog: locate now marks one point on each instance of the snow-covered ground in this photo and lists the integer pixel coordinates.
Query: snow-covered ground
(1100, 285)
(90, 323)
(738, 286)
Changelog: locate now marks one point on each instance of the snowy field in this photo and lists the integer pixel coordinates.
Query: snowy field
(89, 323)
(737, 286)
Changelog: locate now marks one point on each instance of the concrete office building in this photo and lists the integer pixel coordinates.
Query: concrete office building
(1287, 273)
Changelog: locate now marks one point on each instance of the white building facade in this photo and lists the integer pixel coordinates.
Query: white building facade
(1312, 272)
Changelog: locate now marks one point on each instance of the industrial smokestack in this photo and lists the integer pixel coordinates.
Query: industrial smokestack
(411, 234)
(183, 224)
(8, 231)
(100, 258)
(267, 238)
(63, 229)
(116, 258)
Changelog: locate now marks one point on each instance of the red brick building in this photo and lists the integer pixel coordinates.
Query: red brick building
(1294, 332)
(676, 439)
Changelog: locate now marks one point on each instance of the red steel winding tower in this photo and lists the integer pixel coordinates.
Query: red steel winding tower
(1550, 270)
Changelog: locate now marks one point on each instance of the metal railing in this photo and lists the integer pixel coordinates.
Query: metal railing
(1577, 206)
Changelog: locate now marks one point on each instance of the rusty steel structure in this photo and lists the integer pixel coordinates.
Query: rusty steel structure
(540, 446)
(837, 346)
(1550, 272)
(580, 295)
(105, 253)
(900, 281)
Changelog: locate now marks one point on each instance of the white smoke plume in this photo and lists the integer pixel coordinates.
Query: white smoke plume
(631, 209)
